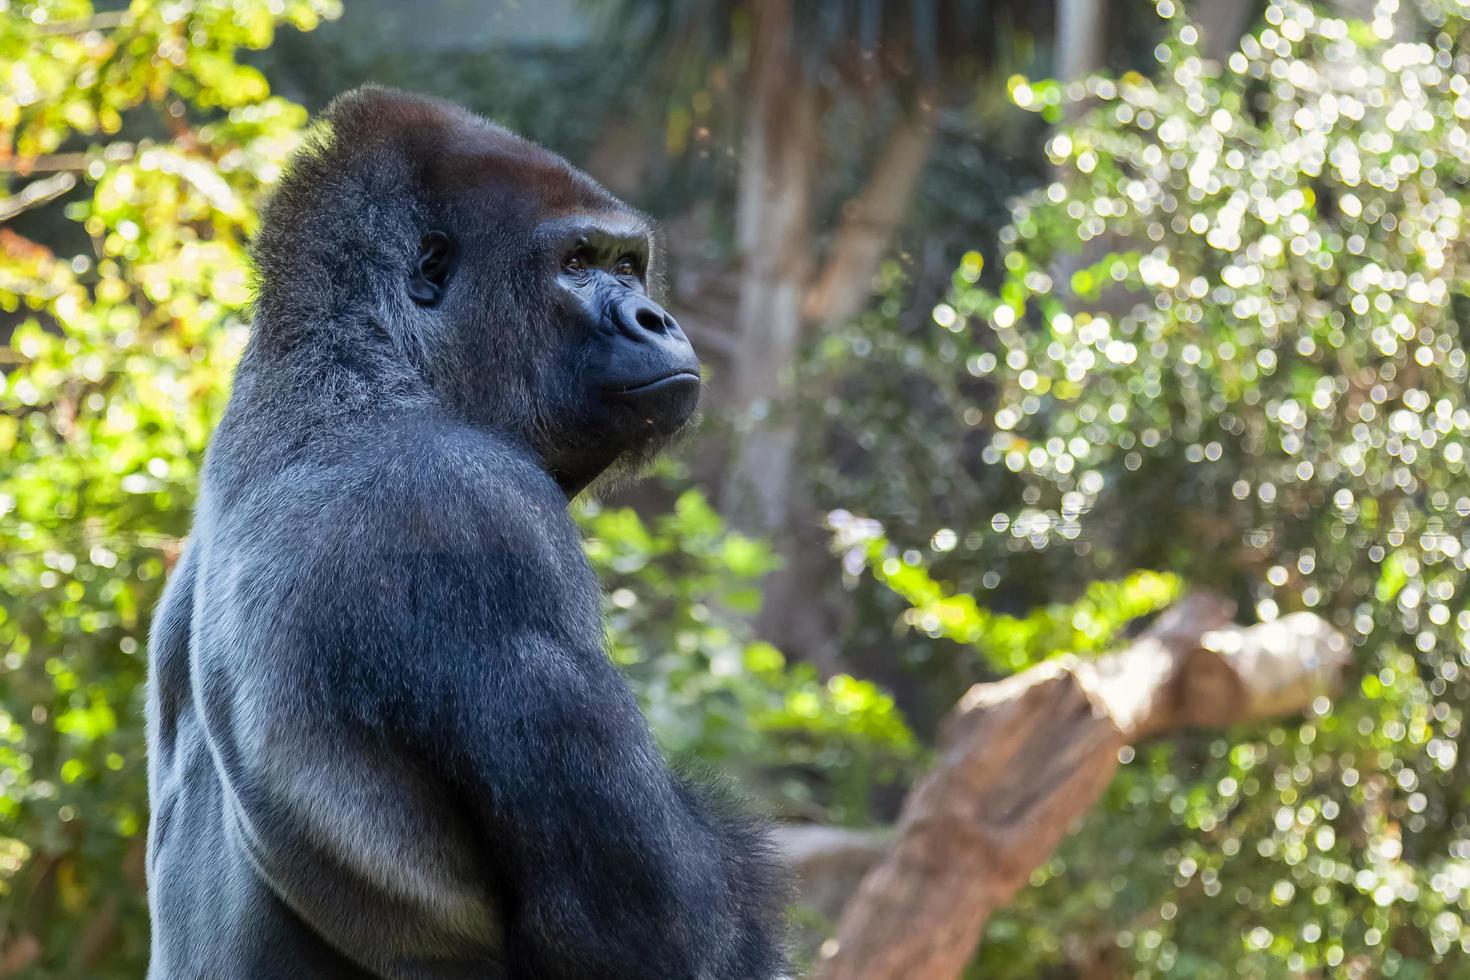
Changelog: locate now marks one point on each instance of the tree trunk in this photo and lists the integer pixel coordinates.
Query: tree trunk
(1080, 51)
(1221, 23)
(872, 218)
(1082, 37)
(1023, 758)
(798, 614)
(773, 233)
(781, 296)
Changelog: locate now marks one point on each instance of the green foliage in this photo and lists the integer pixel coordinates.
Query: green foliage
(1090, 624)
(1226, 340)
(680, 591)
(108, 387)
(1074, 894)
(1223, 341)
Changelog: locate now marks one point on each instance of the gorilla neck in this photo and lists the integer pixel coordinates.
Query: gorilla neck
(607, 465)
(572, 485)
(576, 475)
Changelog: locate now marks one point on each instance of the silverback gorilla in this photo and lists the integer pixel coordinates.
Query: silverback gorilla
(385, 739)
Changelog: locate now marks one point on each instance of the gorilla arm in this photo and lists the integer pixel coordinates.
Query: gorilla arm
(608, 866)
(604, 863)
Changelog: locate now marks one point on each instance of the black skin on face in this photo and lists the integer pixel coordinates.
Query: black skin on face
(647, 375)
(385, 740)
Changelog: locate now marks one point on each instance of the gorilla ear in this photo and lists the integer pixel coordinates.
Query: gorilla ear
(431, 268)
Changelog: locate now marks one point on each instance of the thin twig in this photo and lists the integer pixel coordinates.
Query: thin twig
(108, 21)
(69, 162)
(36, 193)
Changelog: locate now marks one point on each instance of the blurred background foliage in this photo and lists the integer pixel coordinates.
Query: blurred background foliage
(1188, 314)
(1225, 339)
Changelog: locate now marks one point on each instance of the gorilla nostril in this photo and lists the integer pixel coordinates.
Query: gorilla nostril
(652, 320)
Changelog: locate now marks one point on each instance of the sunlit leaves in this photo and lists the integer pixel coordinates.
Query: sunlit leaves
(677, 591)
(1245, 284)
(1007, 643)
(109, 385)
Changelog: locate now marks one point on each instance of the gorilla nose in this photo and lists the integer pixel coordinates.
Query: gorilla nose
(648, 361)
(636, 317)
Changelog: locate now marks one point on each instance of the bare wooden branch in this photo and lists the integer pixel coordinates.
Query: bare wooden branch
(871, 219)
(72, 162)
(105, 21)
(35, 194)
(828, 862)
(1023, 758)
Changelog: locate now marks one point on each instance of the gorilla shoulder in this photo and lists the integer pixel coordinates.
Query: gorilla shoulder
(439, 488)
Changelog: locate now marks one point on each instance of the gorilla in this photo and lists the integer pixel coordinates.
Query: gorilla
(385, 740)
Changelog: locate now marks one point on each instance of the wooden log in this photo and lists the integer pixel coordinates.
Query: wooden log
(1023, 758)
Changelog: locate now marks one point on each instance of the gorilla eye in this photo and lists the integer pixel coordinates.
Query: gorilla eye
(626, 266)
(574, 263)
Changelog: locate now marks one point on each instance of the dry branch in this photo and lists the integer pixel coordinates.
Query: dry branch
(78, 162)
(1023, 758)
(35, 194)
(871, 219)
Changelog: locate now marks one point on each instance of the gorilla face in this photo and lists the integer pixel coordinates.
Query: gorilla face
(639, 371)
(611, 375)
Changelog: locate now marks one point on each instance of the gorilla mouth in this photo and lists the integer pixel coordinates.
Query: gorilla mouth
(677, 379)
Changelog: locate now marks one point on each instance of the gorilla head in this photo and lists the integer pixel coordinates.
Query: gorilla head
(515, 284)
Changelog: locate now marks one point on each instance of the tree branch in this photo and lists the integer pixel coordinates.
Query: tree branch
(36, 193)
(872, 218)
(1221, 24)
(105, 21)
(1082, 38)
(1024, 757)
(72, 162)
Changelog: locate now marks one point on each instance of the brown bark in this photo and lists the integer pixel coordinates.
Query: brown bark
(773, 231)
(36, 193)
(1221, 23)
(1023, 758)
(872, 218)
(1081, 44)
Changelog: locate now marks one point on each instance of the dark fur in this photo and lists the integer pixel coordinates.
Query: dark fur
(385, 740)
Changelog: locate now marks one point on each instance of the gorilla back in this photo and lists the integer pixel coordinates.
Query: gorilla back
(385, 739)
